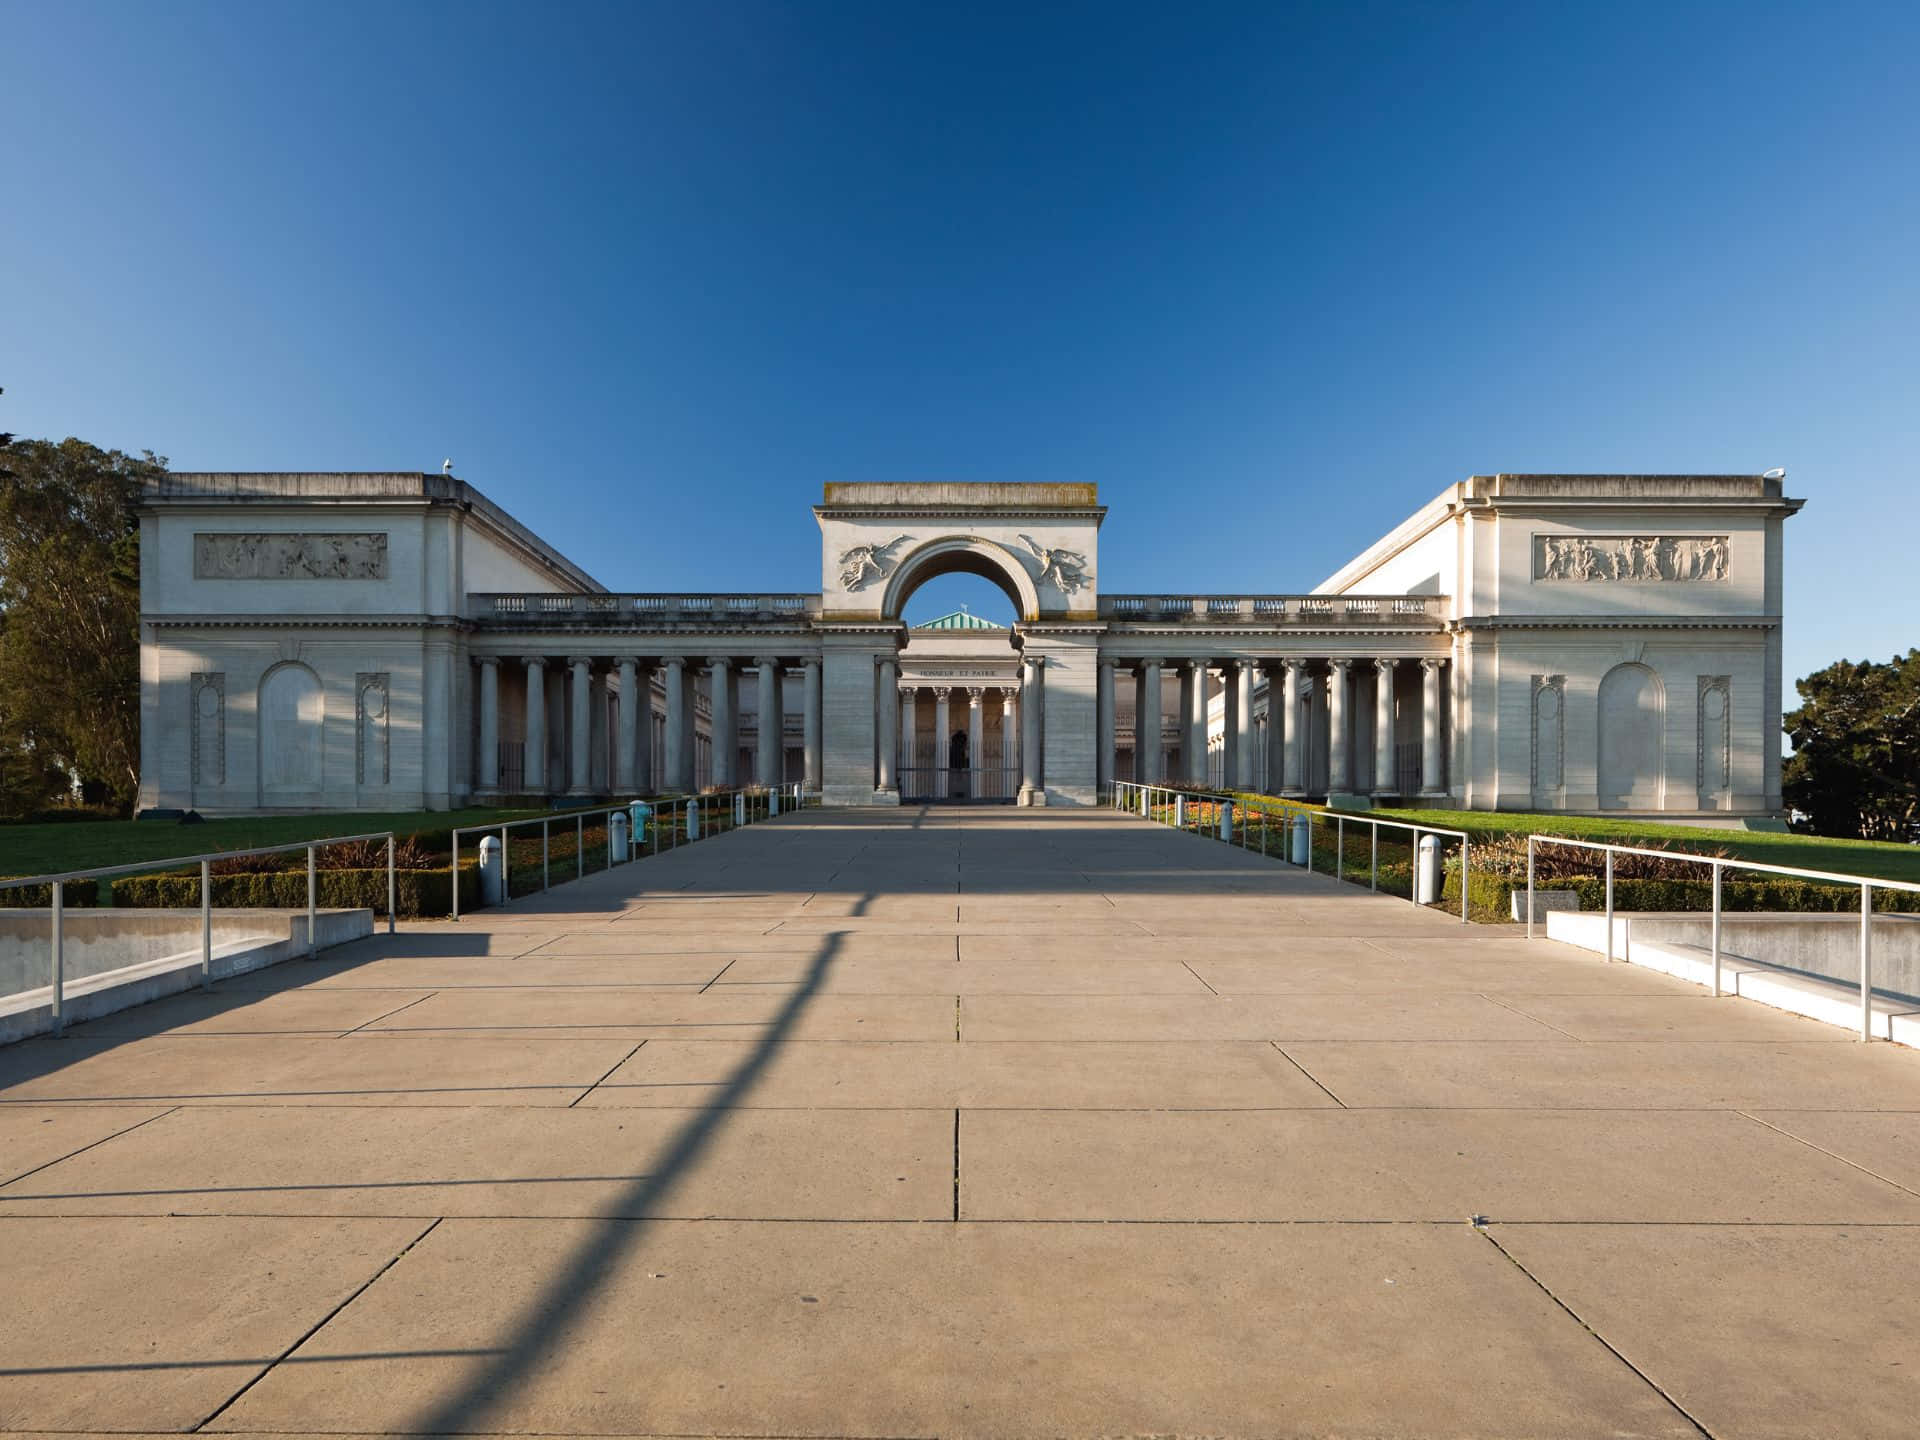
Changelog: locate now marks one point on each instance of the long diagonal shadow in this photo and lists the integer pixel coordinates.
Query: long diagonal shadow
(559, 1305)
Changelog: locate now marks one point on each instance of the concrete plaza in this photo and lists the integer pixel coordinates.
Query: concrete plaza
(960, 1122)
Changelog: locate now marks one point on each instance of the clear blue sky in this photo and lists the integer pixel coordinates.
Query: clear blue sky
(1271, 276)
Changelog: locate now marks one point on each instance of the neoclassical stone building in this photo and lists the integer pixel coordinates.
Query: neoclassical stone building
(396, 641)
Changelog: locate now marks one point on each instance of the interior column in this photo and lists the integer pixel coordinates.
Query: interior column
(941, 787)
(1147, 725)
(1196, 727)
(580, 724)
(679, 744)
(720, 729)
(1385, 781)
(976, 738)
(910, 780)
(810, 723)
(889, 739)
(1430, 778)
(1339, 779)
(533, 765)
(1245, 740)
(623, 745)
(769, 722)
(489, 768)
(643, 722)
(1030, 682)
(1103, 752)
(1295, 768)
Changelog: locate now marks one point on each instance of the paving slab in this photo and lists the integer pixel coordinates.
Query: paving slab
(1696, 1016)
(36, 1135)
(1887, 1143)
(160, 1322)
(363, 1069)
(639, 1014)
(221, 1011)
(1650, 1075)
(1373, 973)
(960, 1330)
(1254, 1017)
(938, 973)
(766, 1165)
(1404, 1165)
(1756, 1331)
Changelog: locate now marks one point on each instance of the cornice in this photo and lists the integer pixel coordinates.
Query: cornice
(1622, 622)
(306, 622)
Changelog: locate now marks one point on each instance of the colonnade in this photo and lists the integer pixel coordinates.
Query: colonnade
(633, 677)
(974, 698)
(1291, 687)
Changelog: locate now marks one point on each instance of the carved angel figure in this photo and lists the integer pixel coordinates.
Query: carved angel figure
(1065, 568)
(867, 562)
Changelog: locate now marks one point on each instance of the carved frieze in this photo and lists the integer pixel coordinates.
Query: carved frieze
(284, 555)
(1630, 557)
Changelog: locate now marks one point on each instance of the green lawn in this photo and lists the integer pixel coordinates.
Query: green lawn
(1808, 852)
(82, 845)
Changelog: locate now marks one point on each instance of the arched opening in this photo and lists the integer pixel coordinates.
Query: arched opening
(961, 555)
(959, 689)
(292, 718)
(1632, 706)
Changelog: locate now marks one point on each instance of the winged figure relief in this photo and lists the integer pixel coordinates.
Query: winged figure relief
(1065, 568)
(867, 562)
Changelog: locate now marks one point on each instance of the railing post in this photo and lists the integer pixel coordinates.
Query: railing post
(1339, 847)
(206, 924)
(1609, 905)
(1373, 858)
(1866, 961)
(546, 855)
(313, 907)
(1716, 927)
(580, 847)
(1529, 887)
(58, 959)
(390, 884)
(1309, 815)
(455, 871)
(1466, 875)
(506, 868)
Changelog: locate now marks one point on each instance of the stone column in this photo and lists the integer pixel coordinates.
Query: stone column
(625, 741)
(910, 740)
(580, 726)
(489, 767)
(1009, 732)
(767, 686)
(1229, 725)
(1339, 778)
(1147, 725)
(889, 740)
(810, 722)
(1430, 778)
(1385, 782)
(942, 781)
(1276, 729)
(720, 724)
(679, 740)
(976, 738)
(1293, 779)
(1103, 749)
(1245, 740)
(1183, 725)
(643, 779)
(533, 768)
(1196, 727)
(1031, 792)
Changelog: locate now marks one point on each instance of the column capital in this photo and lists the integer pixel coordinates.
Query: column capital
(1157, 662)
(486, 659)
(586, 660)
(535, 661)
(941, 692)
(1244, 664)
(1431, 663)
(974, 692)
(766, 660)
(1385, 663)
(720, 662)
(675, 662)
(1339, 662)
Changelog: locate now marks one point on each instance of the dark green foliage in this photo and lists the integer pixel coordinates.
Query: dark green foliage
(418, 894)
(1855, 768)
(80, 895)
(70, 621)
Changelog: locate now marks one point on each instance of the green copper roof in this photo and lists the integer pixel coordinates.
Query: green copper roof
(958, 620)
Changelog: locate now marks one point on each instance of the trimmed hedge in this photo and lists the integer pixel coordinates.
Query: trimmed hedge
(79, 895)
(1781, 893)
(418, 894)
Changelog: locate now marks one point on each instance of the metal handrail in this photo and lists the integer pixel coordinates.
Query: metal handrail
(58, 899)
(748, 805)
(1264, 804)
(1719, 865)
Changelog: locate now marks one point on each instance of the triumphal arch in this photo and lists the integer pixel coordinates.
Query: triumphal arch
(397, 641)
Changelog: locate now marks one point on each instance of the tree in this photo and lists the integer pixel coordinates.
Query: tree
(70, 611)
(1855, 767)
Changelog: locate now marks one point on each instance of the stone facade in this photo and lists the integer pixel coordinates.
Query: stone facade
(1576, 642)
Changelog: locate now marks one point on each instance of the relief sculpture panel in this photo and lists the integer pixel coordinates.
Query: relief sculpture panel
(282, 555)
(1630, 557)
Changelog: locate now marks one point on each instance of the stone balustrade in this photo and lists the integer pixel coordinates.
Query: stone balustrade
(642, 611)
(1400, 612)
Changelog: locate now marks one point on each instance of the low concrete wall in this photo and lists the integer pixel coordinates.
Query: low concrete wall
(1827, 946)
(115, 959)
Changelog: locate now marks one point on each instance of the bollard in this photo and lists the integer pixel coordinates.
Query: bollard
(1302, 839)
(1428, 878)
(638, 813)
(693, 819)
(1179, 812)
(773, 803)
(617, 838)
(1226, 820)
(493, 871)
